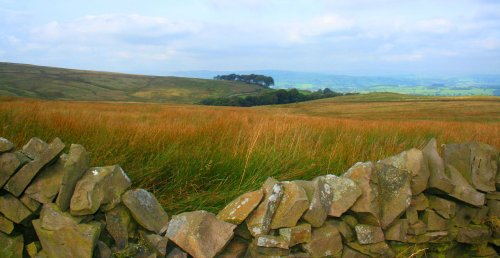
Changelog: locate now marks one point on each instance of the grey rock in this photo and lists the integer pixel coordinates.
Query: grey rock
(200, 233)
(463, 191)
(397, 231)
(320, 196)
(367, 234)
(145, 209)
(77, 163)
(414, 162)
(19, 181)
(46, 184)
(259, 222)
(434, 222)
(5, 145)
(345, 192)
(9, 164)
(380, 249)
(120, 225)
(34, 148)
(157, 244)
(325, 242)
(473, 234)
(52, 218)
(443, 207)
(438, 178)
(100, 187)
(13, 209)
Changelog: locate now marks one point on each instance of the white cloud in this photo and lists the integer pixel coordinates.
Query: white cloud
(318, 26)
(435, 26)
(411, 57)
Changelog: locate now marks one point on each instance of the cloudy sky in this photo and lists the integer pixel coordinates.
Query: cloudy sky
(427, 37)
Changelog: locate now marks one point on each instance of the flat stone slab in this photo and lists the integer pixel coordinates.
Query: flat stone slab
(46, 184)
(443, 207)
(200, 233)
(145, 209)
(293, 204)
(119, 224)
(320, 195)
(5, 145)
(463, 191)
(6, 226)
(438, 178)
(345, 192)
(271, 242)
(52, 218)
(77, 163)
(34, 148)
(100, 187)
(367, 234)
(13, 209)
(296, 235)
(325, 242)
(9, 164)
(259, 222)
(72, 241)
(12, 246)
(19, 181)
(238, 210)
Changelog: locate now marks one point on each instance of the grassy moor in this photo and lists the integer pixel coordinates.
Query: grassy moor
(197, 157)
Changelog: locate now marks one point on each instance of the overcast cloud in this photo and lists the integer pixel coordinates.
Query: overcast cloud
(450, 37)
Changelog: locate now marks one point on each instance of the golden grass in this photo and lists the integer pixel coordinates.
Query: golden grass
(197, 157)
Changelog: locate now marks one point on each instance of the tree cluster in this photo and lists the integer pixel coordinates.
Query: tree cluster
(262, 80)
(272, 97)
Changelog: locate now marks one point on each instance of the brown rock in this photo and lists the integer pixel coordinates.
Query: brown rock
(157, 244)
(271, 242)
(434, 222)
(9, 164)
(367, 234)
(52, 218)
(438, 178)
(411, 215)
(344, 228)
(463, 191)
(13, 209)
(119, 224)
(75, 166)
(320, 196)
(259, 222)
(464, 215)
(293, 204)
(258, 251)
(236, 248)
(363, 174)
(380, 249)
(200, 233)
(31, 204)
(46, 184)
(103, 250)
(146, 210)
(345, 192)
(397, 231)
(351, 253)
(5, 145)
(177, 253)
(325, 241)
(412, 161)
(100, 187)
(494, 208)
(296, 235)
(419, 202)
(6, 225)
(34, 148)
(418, 228)
(19, 181)
(33, 248)
(473, 234)
(238, 210)
(442, 206)
(12, 246)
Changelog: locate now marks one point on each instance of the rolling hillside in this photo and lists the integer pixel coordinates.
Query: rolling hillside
(57, 83)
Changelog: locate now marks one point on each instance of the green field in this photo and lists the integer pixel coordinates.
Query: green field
(56, 83)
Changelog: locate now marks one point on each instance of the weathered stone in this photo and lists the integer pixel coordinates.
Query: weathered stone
(463, 191)
(271, 241)
(412, 161)
(243, 232)
(200, 233)
(344, 228)
(9, 164)
(259, 222)
(157, 243)
(367, 234)
(296, 235)
(72, 241)
(103, 250)
(75, 166)
(13, 209)
(394, 192)
(438, 178)
(20, 180)
(380, 249)
(434, 222)
(419, 202)
(5, 145)
(52, 218)
(345, 192)
(417, 228)
(476, 162)
(351, 253)
(6, 225)
(493, 196)
(325, 241)
(481, 215)
(293, 204)
(33, 248)
(238, 210)
(236, 248)
(118, 224)
(145, 209)
(437, 237)
(363, 174)
(258, 251)
(464, 215)
(319, 195)
(12, 246)
(473, 234)
(177, 253)
(46, 184)
(31, 204)
(397, 231)
(350, 220)
(100, 187)
(34, 148)
(443, 207)
(494, 208)
(411, 215)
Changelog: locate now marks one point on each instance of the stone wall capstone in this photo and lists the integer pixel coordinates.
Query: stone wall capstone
(54, 204)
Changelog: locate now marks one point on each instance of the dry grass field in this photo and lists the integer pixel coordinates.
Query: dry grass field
(198, 157)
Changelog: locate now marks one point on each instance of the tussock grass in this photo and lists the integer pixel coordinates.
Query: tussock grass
(196, 157)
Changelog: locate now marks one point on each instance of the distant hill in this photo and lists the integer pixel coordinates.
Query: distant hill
(407, 84)
(58, 83)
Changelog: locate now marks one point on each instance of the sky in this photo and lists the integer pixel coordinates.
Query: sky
(356, 37)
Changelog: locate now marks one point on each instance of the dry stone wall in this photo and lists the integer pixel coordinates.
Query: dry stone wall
(444, 201)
